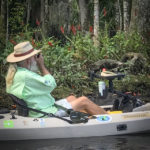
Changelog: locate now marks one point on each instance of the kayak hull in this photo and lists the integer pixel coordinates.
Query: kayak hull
(25, 128)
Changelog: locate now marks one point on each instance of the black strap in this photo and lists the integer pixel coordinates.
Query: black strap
(17, 100)
(46, 114)
(1, 117)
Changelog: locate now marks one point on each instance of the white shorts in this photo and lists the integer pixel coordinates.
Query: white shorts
(63, 103)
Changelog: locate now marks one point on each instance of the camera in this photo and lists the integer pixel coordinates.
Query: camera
(38, 55)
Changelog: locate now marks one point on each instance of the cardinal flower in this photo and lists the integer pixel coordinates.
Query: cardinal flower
(79, 27)
(91, 29)
(50, 44)
(105, 12)
(33, 43)
(37, 22)
(69, 48)
(62, 29)
(73, 29)
(13, 42)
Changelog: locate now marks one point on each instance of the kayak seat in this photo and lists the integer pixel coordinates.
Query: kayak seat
(111, 75)
(22, 111)
(122, 105)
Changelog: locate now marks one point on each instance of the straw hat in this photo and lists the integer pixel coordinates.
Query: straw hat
(21, 52)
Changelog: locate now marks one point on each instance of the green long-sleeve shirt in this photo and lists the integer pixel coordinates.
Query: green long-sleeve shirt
(34, 90)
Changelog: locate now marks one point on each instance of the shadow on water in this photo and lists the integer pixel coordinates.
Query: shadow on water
(132, 142)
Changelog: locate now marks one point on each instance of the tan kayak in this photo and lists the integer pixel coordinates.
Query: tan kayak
(115, 123)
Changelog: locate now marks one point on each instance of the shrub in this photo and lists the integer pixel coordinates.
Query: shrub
(116, 46)
(69, 62)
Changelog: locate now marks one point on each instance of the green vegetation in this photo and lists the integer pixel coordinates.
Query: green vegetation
(70, 62)
(16, 22)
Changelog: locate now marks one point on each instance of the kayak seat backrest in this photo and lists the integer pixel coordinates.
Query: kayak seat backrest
(21, 105)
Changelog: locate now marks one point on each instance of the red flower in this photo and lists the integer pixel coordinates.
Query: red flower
(105, 12)
(73, 29)
(33, 43)
(13, 42)
(50, 44)
(69, 48)
(91, 29)
(62, 29)
(79, 27)
(105, 57)
(37, 22)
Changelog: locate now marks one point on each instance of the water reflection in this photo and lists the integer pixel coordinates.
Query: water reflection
(132, 142)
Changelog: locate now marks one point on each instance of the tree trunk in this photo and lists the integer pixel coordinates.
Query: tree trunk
(7, 22)
(48, 14)
(117, 15)
(2, 9)
(42, 17)
(3, 23)
(126, 16)
(140, 18)
(46, 20)
(53, 15)
(28, 3)
(83, 5)
(96, 22)
(120, 14)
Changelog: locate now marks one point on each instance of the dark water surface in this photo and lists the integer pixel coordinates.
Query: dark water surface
(128, 142)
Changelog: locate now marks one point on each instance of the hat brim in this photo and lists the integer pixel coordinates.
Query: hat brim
(12, 59)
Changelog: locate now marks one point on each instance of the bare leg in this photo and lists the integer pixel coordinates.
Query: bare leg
(83, 103)
(71, 98)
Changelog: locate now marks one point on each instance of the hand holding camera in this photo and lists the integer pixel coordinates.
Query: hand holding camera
(40, 60)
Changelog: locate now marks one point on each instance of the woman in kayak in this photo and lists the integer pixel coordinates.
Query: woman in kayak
(24, 81)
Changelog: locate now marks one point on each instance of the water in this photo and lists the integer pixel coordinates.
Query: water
(132, 142)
